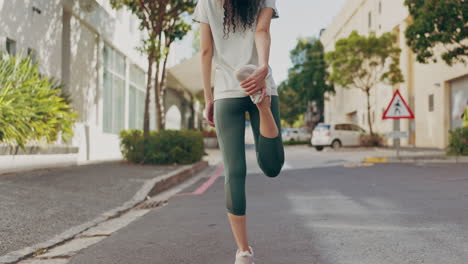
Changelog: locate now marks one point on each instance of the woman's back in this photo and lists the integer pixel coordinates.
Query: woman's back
(232, 49)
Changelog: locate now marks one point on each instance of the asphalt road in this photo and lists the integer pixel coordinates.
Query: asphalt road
(382, 214)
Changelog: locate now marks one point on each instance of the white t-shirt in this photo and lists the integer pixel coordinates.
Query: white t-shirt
(232, 53)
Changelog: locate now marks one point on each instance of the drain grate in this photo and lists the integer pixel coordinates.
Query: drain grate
(151, 204)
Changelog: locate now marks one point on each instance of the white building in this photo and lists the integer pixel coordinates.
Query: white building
(435, 91)
(91, 48)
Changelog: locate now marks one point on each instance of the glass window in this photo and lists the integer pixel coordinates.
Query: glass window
(136, 97)
(114, 91)
(370, 19)
(431, 103)
(32, 55)
(11, 47)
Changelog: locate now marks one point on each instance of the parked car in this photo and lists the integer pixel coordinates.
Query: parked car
(296, 134)
(336, 135)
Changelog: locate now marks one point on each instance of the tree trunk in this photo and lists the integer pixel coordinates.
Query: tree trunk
(163, 92)
(368, 112)
(157, 88)
(146, 118)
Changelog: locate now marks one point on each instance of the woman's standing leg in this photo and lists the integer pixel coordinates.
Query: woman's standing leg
(266, 126)
(230, 127)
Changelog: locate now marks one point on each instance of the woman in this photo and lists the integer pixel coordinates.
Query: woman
(235, 34)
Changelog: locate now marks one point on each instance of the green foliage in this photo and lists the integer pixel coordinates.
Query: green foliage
(307, 80)
(438, 22)
(362, 62)
(458, 142)
(32, 106)
(162, 147)
(290, 107)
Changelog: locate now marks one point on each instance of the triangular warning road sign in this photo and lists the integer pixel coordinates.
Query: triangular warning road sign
(398, 108)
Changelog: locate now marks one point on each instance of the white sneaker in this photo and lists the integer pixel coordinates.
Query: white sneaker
(245, 257)
(244, 72)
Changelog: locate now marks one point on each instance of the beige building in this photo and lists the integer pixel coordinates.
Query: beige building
(436, 92)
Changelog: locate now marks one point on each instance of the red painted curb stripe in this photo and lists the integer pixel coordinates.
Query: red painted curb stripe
(206, 185)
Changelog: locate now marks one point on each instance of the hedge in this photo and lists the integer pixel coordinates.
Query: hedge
(162, 147)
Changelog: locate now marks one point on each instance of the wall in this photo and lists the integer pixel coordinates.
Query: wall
(42, 32)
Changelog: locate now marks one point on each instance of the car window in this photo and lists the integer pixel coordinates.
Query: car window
(322, 127)
(339, 127)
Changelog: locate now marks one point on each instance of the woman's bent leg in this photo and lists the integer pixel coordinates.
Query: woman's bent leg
(270, 152)
(230, 127)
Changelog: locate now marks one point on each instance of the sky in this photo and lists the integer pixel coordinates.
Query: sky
(298, 18)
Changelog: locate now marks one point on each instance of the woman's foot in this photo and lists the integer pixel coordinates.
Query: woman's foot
(245, 257)
(268, 127)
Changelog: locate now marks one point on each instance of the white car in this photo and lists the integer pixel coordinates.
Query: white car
(296, 134)
(336, 135)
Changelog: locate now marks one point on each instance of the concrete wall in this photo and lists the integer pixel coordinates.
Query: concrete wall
(429, 129)
(41, 32)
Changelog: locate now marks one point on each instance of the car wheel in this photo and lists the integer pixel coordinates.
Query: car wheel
(336, 144)
(319, 148)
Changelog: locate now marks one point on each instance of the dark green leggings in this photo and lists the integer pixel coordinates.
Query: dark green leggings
(230, 127)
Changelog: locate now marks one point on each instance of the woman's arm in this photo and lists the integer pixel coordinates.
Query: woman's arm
(256, 81)
(206, 46)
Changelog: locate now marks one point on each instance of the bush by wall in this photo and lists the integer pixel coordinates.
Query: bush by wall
(162, 147)
(458, 142)
(368, 140)
(32, 106)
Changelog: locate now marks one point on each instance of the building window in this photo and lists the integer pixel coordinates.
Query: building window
(431, 103)
(114, 91)
(11, 47)
(32, 54)
(380, 7)
(136, 98)
(370, 19)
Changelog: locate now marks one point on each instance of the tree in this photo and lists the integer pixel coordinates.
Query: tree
(162, 21)
(148, 12)
(289, 105)
(307, 80)
(438, 23)
(175, 29)
(362, 62)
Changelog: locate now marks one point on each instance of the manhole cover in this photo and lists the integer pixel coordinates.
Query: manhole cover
(151, 204)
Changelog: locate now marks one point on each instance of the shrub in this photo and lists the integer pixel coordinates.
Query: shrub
(374, 140)
(458, 142)
(32, 106)
(162, 147)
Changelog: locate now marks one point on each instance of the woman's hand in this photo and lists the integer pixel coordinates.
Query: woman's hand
(256, 81)
(209, 113)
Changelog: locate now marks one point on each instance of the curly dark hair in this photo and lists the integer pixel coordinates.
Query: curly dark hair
(240, 14)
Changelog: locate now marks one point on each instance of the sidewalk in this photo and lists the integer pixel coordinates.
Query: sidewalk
(409, 155)
(49, 205)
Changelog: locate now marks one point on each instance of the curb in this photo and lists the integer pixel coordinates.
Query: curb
(149, 188)
(420, 159)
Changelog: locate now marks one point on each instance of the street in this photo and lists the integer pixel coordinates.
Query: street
(337, 214)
